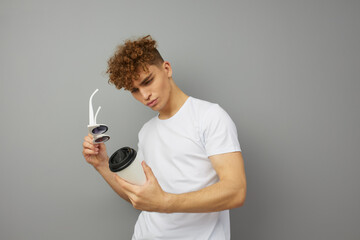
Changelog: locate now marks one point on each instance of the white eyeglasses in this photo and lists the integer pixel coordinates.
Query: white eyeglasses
(97, 130)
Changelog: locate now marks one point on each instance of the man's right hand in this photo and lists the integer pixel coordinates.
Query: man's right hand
(95, 154)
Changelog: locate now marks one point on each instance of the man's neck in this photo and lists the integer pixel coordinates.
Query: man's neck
(176, 100)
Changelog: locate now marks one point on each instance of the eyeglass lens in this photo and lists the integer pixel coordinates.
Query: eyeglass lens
(99, 130)
(102, 139)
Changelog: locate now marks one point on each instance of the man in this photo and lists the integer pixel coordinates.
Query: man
(192, 157)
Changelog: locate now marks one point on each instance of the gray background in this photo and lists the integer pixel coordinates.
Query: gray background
(287, 72)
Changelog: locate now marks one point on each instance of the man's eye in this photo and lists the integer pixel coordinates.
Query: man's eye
(148, 82)
(134, 90)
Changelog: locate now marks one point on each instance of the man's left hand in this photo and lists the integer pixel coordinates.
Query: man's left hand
(148, 197)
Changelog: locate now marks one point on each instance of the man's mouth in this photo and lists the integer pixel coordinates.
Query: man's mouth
(152, 103)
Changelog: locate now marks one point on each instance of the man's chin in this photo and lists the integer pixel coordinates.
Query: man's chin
(155, 108)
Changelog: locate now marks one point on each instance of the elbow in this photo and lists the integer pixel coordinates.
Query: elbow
(239, 198)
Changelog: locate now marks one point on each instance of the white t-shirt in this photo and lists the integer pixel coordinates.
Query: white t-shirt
(177, 150)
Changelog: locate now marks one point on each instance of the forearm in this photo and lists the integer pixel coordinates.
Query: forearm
(217, 197)
(109, 178)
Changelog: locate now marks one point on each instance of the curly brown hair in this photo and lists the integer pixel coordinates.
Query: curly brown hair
(130, 58)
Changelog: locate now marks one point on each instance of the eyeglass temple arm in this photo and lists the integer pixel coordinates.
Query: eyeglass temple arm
(97, 114)
(91, 111)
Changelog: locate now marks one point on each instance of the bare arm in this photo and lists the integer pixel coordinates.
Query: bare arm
(96, 155)
(109, 178)
(228, 192)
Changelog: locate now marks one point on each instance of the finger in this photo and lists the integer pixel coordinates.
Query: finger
(147, 170)
(126, 186)
(90, 146)
(101, 146)
(121, 181)
(88, 139)
(90, 152)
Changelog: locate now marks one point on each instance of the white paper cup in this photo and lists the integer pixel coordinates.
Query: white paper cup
(126, 163)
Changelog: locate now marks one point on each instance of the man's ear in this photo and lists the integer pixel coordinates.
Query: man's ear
(168, 69)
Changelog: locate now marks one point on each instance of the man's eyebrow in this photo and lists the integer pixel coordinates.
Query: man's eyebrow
(145, 79)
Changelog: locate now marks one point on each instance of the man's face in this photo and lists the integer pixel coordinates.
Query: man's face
(153, 88)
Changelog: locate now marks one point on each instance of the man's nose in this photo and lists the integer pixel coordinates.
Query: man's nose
(145, 94)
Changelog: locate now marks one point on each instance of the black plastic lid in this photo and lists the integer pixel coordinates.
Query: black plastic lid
(121, 159)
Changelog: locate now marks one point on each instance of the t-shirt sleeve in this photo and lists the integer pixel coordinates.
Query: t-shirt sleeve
(219, 132)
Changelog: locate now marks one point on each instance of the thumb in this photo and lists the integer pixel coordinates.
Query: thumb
(102, 145)
(147, 170)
